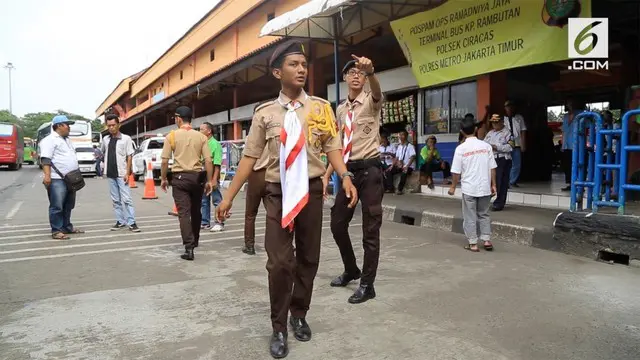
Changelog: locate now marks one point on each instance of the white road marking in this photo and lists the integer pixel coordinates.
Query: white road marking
(35, 180)
(113, 234)
(14, 210)
(107, 230)
(88, 221)
(107, 243)
(144, 247)
(107, 226)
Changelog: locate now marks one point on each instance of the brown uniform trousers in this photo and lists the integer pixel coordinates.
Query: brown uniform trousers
(368, 182)
(291, 277)
(187, 190)
(254, 195)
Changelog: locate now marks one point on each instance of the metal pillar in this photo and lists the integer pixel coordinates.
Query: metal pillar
(10, 67)
(336, 74)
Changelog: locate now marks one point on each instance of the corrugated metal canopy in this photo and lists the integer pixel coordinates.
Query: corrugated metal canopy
(331, 19)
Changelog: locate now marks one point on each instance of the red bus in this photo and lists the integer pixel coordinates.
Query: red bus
(11, 145)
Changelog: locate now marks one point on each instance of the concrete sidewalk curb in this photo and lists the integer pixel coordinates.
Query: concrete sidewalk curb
(501, 231)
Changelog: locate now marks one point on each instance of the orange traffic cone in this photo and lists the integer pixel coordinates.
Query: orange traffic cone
(149, 185)
(132, 182)
(174, 212)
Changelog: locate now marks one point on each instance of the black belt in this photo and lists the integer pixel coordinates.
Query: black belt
(357, 165)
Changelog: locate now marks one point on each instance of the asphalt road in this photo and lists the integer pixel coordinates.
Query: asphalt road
(119, 295)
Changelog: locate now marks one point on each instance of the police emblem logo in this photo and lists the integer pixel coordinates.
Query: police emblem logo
(558, 12)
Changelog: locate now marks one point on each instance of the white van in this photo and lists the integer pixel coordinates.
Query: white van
(86, 159)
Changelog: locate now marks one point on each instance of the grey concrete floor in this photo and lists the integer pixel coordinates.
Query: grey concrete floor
(118, 295)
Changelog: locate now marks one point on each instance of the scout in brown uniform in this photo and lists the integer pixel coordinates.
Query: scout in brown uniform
(359, 116)
(189, 147)
(254, 195)
(300, 127)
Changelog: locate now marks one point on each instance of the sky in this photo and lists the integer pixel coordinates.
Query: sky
(70, 54)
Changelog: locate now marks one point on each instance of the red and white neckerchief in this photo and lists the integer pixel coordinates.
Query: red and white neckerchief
(348, 134)
(294, 177)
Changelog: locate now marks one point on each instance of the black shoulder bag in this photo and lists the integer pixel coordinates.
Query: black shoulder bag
(74, 179)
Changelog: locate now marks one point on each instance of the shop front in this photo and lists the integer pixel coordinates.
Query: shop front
(471, 62)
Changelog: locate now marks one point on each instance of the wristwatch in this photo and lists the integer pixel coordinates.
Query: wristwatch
(349, 174)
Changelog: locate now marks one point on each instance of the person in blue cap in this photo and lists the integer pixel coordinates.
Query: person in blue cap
(58, 154)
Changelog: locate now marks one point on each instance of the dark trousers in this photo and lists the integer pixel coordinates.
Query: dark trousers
(403, 178)
(254, 194)
(98, 169)
(368, 183)
(566, 161)
(429, 169)
(291, 276)
(188, 188)
(61, 202)
(503, 173)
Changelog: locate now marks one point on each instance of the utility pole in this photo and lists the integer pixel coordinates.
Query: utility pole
(10, 67)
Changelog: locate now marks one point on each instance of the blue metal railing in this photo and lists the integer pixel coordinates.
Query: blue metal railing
(583, 161)
(624, 160)
(605, 164)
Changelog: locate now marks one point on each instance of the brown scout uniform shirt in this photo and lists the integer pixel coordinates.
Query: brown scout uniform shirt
(190, 147)
(366, 134)
(262, 162)
(316, 124)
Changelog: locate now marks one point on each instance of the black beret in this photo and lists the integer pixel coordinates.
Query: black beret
(184, 112)
(288, 48)
(467, 123)
(348, 66)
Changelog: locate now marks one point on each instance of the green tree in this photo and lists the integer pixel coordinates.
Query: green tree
(72, 116)
(97, 125)
(31, 122)
(6, 116)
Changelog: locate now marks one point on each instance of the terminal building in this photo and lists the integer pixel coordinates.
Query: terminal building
(219, 69)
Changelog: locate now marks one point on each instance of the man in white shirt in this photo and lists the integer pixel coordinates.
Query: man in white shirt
(474, 165)
(404, 163)
(387, 156)
(515, 124)
(58, 158)
(387, 152)
(118, 153)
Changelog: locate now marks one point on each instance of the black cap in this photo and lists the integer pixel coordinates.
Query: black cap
(348, 66)
(288, 48)
(184, 112)
(467, 123)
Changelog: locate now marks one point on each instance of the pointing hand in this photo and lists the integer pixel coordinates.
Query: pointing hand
(363, 64)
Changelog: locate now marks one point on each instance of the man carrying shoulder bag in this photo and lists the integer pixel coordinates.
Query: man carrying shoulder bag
(62, 177)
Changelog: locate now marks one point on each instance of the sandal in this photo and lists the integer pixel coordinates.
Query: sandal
(59, 236)
(469, 247)
(75, 231)
(488, 246)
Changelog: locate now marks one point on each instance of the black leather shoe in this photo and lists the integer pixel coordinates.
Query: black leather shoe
(188, 255)
(278, 347)
(249, 250)
(344, 279)
(362, 294)
(301, 329)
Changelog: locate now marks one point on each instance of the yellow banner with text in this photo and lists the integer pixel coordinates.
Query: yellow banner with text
(460, 39)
